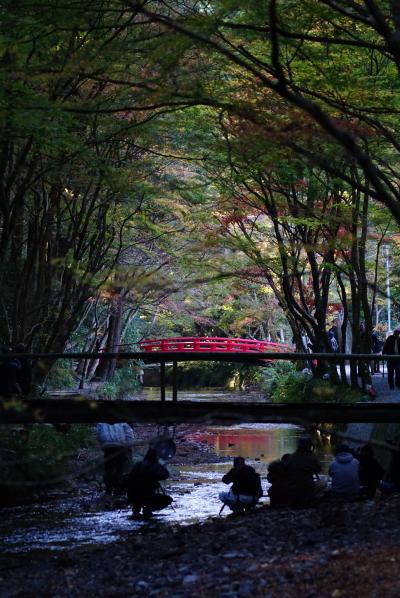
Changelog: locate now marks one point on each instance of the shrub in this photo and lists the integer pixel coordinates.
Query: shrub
(284, 384)
(107, 390)
(61, 376)
(36, 457)
(122, 383)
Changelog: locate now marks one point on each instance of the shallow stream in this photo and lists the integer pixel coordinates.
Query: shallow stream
(89, 519)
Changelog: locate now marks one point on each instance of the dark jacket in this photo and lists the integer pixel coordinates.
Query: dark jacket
(389, 345)
(370, 473)
(344, 471)
(301, 468)
(376, 343)
(143, 481)
(394, 470)
(245, 480)
(278, 492)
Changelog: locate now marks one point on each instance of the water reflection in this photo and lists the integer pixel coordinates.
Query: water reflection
(88, 520)
(264, 442)
(152, 393)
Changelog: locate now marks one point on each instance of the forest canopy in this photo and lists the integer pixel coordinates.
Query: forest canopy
(197, 168)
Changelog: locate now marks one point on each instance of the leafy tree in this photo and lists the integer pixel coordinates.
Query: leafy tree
(77, 206)
(333, 64)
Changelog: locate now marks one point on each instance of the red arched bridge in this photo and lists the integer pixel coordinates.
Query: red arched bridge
(198, 345)
(212, 344)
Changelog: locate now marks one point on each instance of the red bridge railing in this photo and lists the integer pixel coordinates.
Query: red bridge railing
(213, 344)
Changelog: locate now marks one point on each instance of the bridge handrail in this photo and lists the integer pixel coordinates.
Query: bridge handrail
(211, 343)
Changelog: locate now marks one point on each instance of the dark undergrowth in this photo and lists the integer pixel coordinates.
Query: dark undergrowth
(37, 458)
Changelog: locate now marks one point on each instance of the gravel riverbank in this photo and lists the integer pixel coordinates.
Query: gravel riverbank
(328, 551)
(332, 550)
(190, 448)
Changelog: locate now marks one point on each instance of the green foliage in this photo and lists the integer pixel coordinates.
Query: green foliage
(61, 376)
(37, 457)
(103, 173)
(205, 374)
(283, 383)
(108, 390)
(124, 382)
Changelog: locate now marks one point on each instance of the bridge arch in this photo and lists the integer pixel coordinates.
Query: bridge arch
(207, 344)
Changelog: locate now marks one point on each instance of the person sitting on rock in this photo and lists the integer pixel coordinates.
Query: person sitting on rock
(344, 472)
(302, 466)
(246, 487)
(144, 490)
(278, 492)
(371, 472)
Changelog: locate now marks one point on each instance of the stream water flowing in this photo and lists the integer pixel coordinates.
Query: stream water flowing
(90, 519)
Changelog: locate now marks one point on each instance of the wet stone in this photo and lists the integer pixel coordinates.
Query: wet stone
(245, 589)
(323, 562)
(190, 578)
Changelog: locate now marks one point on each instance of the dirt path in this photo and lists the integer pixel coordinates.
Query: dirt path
(384, 394)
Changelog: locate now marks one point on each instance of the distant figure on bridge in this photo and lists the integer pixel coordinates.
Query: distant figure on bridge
(344, 472)
(144, 490)
(246, 487)
(302, 468)
(116, 441)
(392, 347)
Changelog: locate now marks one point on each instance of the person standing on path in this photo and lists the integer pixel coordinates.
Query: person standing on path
(392, 347)
(376, 347)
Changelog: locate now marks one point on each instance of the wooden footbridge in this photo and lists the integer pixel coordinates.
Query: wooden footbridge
(176, 350)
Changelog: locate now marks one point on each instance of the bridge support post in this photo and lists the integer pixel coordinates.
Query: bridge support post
(162, 380)
(174, 381)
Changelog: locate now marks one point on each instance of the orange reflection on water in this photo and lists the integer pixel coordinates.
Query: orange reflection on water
(266, 445)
